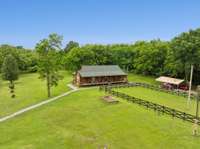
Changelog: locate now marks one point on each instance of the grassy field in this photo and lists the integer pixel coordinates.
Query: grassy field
(82, 120)
(140, 78)
(29, 90)
(173, 101)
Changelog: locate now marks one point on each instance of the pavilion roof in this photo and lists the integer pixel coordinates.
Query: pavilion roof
(169, 80)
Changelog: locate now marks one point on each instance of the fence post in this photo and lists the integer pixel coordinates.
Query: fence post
(161, 109)
(184, 116)
(195, 125)
(173, 113)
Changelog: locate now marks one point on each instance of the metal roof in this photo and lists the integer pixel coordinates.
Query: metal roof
(101, 70)
(169, 80)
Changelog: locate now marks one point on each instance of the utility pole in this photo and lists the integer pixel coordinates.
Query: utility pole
(198, 98)
(190, 86)
(196, 120)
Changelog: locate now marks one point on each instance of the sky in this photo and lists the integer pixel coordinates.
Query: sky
(26, 22)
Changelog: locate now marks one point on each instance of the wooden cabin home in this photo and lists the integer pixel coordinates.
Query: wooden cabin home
(99, 75)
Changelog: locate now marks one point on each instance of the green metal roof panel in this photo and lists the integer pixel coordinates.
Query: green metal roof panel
(101, 70)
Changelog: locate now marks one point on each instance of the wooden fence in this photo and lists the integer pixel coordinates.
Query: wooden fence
(153, 87)
(148, 104)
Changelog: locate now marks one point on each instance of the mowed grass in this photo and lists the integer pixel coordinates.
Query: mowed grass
(83, 121)
(141, 78)
(29, 90)
(166, 99)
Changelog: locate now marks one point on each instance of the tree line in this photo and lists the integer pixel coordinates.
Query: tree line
(172, 58)
(156, 57)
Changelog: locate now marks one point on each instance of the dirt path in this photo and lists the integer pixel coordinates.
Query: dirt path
(36, 106)
(74, 89)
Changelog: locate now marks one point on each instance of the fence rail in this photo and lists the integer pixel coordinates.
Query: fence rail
(148, 104)
(153, 87)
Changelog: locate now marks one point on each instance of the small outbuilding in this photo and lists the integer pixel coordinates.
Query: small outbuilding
(99, 75)
(170, 83)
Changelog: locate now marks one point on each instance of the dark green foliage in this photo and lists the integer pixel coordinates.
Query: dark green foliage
(79, 56)
(10, 72)
(26, 59)
(150, 57)
(123, 55)
(10, 69)
(186, 51)
(70, 45)
(141, 57)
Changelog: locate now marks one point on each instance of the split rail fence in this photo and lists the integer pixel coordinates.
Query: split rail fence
(148, 104)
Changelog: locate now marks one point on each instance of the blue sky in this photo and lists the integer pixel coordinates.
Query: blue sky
(25, 22)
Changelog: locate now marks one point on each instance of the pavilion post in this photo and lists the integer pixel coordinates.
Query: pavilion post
(190, 86)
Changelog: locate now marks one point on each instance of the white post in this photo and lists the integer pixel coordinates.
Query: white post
(190, 86)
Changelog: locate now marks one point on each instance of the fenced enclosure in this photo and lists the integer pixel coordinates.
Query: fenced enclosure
(153, 87)
(148, 104)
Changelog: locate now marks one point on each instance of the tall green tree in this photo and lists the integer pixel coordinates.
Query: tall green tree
(70, 45)
(186, 51)
(150, 57)
(10, 72)
(48, 63)
(122, 55)
(78, 57)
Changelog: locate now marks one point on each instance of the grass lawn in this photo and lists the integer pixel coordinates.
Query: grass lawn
(173, 101)
(82, 120)
(29, 90)
(141, 78)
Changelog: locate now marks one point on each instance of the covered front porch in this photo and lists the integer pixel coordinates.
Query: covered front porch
(100, 80)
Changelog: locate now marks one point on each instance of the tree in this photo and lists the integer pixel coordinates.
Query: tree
(10, 72)
(101, 54)
(150, 57)
(26, 59)
(78, 57)
(70, 45)
(186, 51)
(48, 63)
(123, 55)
